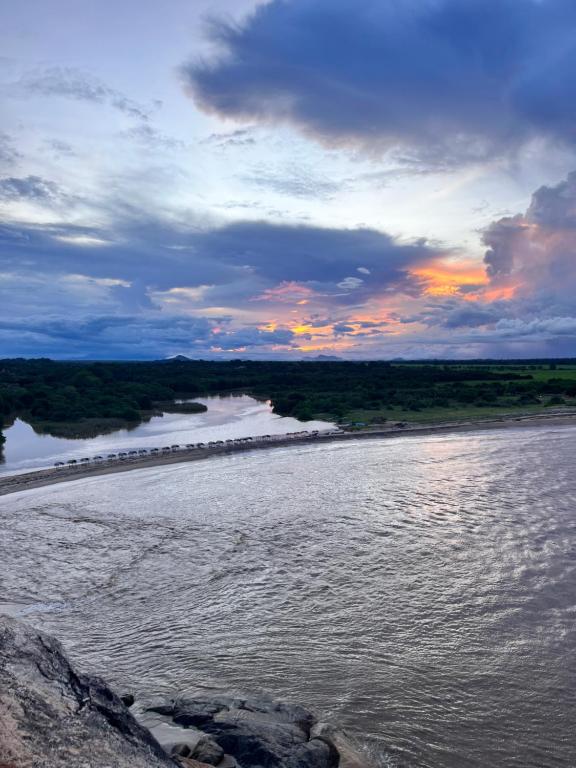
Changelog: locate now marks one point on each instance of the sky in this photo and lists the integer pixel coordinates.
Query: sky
(283, 179)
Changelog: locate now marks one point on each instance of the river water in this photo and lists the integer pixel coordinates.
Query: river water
(226, 417)
(419, 591)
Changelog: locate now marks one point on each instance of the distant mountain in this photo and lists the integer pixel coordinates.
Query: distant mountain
(325, 358)
(178, 359)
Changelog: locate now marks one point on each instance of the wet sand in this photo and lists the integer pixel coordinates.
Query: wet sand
(39, 478)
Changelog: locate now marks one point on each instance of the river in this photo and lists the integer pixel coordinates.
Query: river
(418, 591)
(226, 418)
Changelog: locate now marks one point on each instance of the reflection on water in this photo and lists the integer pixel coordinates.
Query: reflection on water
(226, 417)
(420, 591)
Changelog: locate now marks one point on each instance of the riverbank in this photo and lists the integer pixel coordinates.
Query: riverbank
(56, 716)
(50, 476)
(225, 419)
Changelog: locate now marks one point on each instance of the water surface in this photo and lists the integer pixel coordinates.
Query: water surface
(226, 418)
(421, 591)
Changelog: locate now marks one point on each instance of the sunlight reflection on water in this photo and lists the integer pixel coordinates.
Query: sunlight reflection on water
(227, 417)
(418, 591)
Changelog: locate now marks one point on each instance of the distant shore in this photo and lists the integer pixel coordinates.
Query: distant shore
(50, 476)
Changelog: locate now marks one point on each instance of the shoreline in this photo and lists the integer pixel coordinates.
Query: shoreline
(53, 475)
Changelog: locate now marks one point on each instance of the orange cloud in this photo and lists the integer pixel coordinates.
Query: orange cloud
(501, 293)
(304, 328)
(380, 316)
(451, 278)
(447, 278)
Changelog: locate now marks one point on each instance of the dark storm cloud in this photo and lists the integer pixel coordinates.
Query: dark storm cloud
(502, 238)
(448, 78)
(554, 208)
(126, 336)
(255, 337)
(140, 277)
(470, 316)
(342, 329)
(312, 254)
(253, 255)
(103, 337)
(459, 314)
(160, 255)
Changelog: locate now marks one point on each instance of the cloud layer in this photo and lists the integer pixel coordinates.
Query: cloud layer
(451, 81)
(535, 254)
(145, 286)
(136, 225)
(70, 83)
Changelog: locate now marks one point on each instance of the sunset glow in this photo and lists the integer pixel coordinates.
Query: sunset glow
(449, 278)
(283, 192)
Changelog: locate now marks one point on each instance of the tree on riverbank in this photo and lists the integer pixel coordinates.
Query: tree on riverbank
(77, 399)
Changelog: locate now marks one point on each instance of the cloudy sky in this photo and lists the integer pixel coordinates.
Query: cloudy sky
(288, 178)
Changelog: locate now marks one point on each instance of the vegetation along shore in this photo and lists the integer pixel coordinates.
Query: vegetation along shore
(84, 399)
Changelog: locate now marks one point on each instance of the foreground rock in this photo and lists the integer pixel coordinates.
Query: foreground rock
(53, 717)
(255, 732)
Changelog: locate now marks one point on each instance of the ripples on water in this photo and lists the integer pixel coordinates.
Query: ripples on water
(419, 591)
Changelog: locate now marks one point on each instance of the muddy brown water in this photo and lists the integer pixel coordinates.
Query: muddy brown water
(419, 591)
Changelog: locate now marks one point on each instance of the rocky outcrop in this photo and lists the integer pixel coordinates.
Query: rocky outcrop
(51, 716)
(256, 731)
(350, 754)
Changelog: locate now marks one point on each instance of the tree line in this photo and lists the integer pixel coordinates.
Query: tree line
(49, 393)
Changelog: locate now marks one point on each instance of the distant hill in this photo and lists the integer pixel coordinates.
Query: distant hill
(325, 358)
(178, 359)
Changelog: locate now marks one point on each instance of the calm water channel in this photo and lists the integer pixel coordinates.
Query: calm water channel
(226, 417)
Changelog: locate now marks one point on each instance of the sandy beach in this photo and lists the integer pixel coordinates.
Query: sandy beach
(52, 475)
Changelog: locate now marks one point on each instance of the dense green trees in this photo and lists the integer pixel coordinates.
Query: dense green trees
(102, 396)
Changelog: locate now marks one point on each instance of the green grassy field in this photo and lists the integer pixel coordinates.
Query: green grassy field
(439, 415)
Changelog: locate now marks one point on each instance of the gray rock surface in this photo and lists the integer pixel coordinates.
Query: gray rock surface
(51, 716)
(208, 751)
(313, 754)
(169, 736)
(257, 731)
(350, 754)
